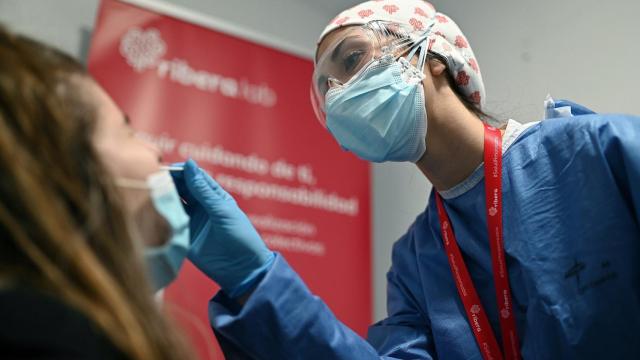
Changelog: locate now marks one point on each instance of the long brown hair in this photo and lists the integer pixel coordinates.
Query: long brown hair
(62, 223)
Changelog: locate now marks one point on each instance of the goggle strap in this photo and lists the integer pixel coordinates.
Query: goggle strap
(423, 55)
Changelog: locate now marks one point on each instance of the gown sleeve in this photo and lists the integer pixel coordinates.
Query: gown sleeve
(283, 320)
(619, 138)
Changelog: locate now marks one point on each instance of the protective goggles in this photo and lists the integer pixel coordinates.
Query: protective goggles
(357, 48)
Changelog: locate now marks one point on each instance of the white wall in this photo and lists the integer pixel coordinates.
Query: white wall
(64, 23)
(584, 50)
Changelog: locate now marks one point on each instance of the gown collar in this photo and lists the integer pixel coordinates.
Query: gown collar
(513, 130)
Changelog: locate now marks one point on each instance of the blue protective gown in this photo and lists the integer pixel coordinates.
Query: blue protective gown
(572, 239)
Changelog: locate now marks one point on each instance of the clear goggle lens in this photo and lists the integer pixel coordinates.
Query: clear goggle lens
(353, 51)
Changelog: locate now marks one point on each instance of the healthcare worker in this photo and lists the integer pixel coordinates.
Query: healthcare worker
(529, 246)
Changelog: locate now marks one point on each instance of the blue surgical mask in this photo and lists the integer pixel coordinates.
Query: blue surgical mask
(380, 114)
(164, 261)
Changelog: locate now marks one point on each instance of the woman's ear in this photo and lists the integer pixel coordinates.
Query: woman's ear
(436, 67)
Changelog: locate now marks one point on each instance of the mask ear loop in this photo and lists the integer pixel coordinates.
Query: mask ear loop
(414, 49)
(421, 49)
(421, 46)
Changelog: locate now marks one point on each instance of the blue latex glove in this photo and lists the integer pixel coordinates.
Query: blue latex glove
(224, 243)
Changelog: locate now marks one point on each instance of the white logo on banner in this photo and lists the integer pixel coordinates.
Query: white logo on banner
(142, 48)
(475, 309)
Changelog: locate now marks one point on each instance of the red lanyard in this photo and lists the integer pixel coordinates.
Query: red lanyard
(475, 312)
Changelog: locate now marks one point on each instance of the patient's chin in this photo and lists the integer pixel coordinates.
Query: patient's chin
(153, 229)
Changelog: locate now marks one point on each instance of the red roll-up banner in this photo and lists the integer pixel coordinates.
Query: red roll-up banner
(242, 111)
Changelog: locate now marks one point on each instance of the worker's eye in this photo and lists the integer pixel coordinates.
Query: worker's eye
(352, 61)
